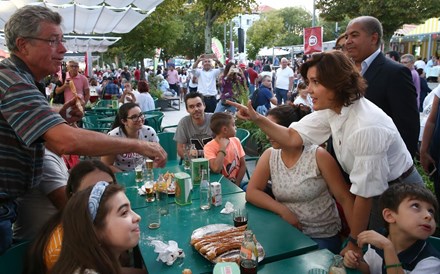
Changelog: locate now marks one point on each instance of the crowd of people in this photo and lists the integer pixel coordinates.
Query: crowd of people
(360, 105)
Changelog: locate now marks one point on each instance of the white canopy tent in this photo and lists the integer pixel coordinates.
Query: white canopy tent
(272, 51)
(89, 17)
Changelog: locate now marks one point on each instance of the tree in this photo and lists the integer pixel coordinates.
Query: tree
(295, 19)
(278, 28)
(263, 33)
(156, 31)
(391, 13)
(212, 10)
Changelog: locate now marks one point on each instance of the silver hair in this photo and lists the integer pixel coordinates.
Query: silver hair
(25, 22)
(408, 56)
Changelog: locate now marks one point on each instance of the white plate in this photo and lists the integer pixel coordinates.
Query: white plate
(215, 228)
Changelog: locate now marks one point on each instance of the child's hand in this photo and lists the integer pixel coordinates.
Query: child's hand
(223, 142)
(351, 259)
(373, 238)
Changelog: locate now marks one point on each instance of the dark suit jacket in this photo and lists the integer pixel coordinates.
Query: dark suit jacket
(391, 88)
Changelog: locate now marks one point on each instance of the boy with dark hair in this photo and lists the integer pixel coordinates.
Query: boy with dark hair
(409, 212)
(224, 152)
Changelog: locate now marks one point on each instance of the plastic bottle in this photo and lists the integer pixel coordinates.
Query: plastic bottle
(162, 195)
(248, 254)
(205, 192)
(337, 266)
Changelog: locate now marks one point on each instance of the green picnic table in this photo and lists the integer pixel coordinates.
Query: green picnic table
(279, 239)
(127, 179)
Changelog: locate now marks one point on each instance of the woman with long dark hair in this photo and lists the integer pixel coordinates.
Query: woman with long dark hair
(99, 225)
(46, 248)
(129, 123)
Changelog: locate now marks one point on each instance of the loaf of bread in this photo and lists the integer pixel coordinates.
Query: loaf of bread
(214, 245)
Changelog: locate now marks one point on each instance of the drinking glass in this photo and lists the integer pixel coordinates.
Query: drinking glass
(187, 157)
(153, 216)
(240, 217)
(139, 170)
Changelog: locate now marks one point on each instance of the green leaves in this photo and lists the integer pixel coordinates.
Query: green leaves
(391, 13)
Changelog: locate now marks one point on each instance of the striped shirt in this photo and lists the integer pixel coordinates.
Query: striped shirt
(25, 116)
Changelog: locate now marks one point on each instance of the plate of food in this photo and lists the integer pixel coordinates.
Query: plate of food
(221, 242)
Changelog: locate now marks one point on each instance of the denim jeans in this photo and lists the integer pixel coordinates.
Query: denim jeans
(8, 213)
(281, 95)
(251, 89)
(376, 221)
(331, 243)
(222, 108)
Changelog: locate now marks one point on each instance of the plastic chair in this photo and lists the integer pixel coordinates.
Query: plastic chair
(435, 242)
(104, 103)
(91, 122)
(166, 140)
(155, 122)
(242, 134)
(13, 260)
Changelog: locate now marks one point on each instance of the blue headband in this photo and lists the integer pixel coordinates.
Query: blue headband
(95, 198)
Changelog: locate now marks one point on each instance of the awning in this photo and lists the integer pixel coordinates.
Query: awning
(272, 51)
(419, 33)
(89, 17)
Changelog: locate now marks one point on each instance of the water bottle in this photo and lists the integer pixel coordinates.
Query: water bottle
(337, 266)
(162, 195)
(248, 254)
(205, 192)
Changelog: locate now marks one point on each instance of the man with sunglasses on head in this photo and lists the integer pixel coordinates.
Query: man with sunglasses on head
(28, 124)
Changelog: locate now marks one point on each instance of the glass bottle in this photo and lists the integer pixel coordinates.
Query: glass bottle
(205, 192)
(248, 254)
(193, 153)
(162, 195)
(149, 181)
(337, 267)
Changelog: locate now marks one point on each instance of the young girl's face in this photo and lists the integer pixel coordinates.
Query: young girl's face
(303, 92)
(121, 231)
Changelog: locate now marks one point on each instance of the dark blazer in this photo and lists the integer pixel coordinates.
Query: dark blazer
(391, 88)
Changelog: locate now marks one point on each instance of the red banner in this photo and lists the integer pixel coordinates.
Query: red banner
(312, 40)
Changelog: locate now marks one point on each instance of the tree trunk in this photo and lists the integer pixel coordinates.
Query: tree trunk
(386, 42)
(142, 70)
(208, 37)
